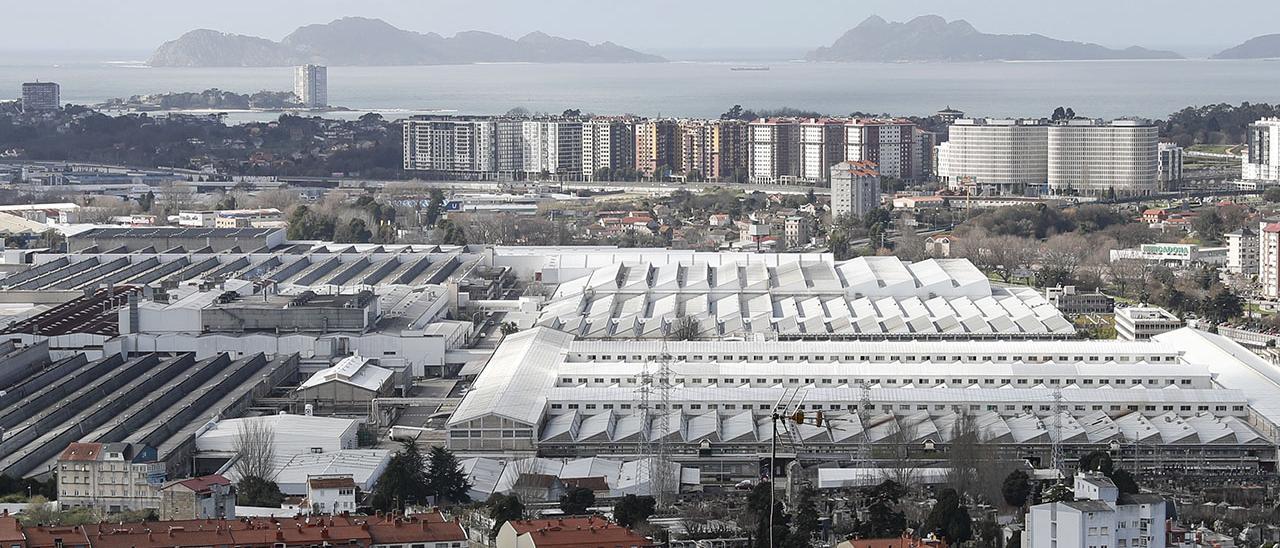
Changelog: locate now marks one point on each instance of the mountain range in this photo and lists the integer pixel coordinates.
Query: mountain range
(359, 41)
(932, 38)
(1266, 46)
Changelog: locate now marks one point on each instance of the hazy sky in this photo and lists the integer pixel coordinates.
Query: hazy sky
(644, 24)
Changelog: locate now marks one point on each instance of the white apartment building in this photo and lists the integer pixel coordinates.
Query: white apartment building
(449, 145)
(855, 188)
(773, 151)
(1170, 165)
(553, 146)
(1096, 158)
(995, 156)
(508, 136)
(1262, 155)
(311, 85)
(1242, 252)
(607, 144)
(109, 477)
(1137, 323)
(1269, 259)
(821, 146)
(1100, 517)
(891, 144)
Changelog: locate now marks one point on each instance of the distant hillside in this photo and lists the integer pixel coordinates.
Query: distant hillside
(364, 42)
(932, 38)
(1266, 46)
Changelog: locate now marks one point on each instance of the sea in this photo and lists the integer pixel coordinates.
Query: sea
(694, 88)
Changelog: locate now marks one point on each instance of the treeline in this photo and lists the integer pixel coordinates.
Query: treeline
(209, 98)
(1219, 124)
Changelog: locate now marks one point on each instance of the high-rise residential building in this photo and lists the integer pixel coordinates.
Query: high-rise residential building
(607, 144)
(855, 188)
(508, 136)
(1096, 158)
(553, 146)
(1170, 166)
(890, 143)
(949, 115)
(40, 96)
(450, 144)
(821, 146)
(995, 156)
(1262, 154)
(701, 147)
(734, 150)
(1269, 259)
(773, 151)
(311, 85)
(657, 146)
(1242, 252)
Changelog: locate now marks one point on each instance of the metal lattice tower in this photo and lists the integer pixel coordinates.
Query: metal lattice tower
(864, 445)
(664, 485)
(1057, 430)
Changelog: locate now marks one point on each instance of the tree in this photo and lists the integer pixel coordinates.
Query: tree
(686, 328)
(354, 232)
(147, 200)
(805, 518)
(884, 519)
(1097, 461)
(445, 478)
(403, 481)
(509, 328)
(759, 515)
(949, 518)
(1057, 492)
(1271, 194)
(255, 491)
(1209, 226)
(1125, 482)
(435, 204)
(255, 449)
(503, 508)
(1016, 488)
(576, 500)
(633, 510)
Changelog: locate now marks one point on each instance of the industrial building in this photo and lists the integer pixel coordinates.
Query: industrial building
(157, 401)
(1200, 395)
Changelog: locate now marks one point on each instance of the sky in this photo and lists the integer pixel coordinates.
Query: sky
(655, 25)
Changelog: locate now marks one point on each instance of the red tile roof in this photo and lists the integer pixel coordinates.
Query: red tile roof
(584, 532)
(203, 483)
(81, 452)
(331, 483)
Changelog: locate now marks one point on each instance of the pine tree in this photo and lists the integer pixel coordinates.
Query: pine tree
(445, 479)
(404, 481)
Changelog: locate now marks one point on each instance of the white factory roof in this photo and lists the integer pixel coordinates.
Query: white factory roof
(488, 476)
(353, 370)
(867, 296)
(292, 434)
(513, 384)
(1234, 367)
(364, 466)
(568, 388)
(13, 224)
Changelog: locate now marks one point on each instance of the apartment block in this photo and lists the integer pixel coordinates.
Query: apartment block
(821, 146)
(855, 188)
(657, 146)
(607, 144)
(889, 143)
(41, 96)
(109, 477)
(1261, 162)
(773, 148)
(1097, 158)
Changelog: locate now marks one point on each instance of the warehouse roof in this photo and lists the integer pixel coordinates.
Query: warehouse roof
(353, 370)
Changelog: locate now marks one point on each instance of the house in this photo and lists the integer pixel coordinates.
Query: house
(1153, 216)
(330, 494)
(904, 541)
(205, 497)
(11, 532)
(939, 245)
(569, 532)
(1100, 516)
